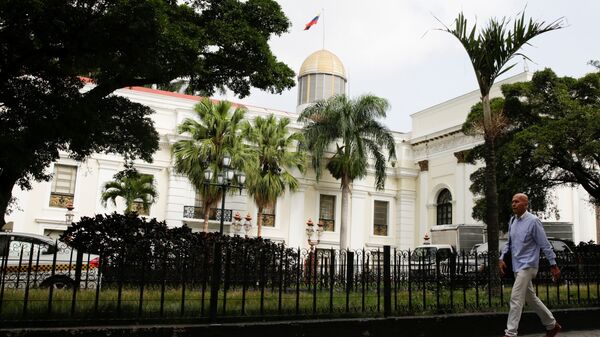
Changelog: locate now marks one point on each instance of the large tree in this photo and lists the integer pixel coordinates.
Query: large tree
(516, 171)
(490, 50)
(353, 126)
(565, 140)
(269, 176)
(132, 187)
(46, 45)
(214, 133)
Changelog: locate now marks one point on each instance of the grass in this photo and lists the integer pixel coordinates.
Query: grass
(190, 304)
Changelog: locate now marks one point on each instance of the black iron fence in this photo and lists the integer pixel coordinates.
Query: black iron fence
(232, 282)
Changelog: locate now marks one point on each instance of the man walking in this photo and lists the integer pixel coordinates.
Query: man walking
(526, 238)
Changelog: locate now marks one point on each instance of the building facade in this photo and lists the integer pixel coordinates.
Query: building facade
(427, 185)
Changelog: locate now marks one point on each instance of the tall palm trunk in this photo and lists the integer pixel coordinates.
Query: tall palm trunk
(344, 218)
(491, 194)
(206, 215)
(259, 221)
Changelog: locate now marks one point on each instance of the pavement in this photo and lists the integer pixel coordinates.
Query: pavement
(586, 333)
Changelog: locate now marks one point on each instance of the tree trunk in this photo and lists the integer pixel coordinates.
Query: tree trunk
(344, 219)
(491, 194)
(206, 206)
(6, 185)
(259, 221)
(206, 215)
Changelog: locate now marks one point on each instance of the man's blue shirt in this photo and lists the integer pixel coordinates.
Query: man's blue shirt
(527, 237)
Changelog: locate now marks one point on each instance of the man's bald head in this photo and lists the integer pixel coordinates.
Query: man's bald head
(520, 202)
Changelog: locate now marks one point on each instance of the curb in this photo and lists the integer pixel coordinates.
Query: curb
(454, 325)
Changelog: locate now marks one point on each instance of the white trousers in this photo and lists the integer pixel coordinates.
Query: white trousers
(523, 292)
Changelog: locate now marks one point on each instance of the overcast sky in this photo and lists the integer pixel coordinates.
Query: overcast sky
(391, 48)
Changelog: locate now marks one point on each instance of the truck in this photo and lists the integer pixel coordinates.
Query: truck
(462, 237)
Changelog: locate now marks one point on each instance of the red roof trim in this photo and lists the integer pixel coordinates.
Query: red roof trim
(196, 98)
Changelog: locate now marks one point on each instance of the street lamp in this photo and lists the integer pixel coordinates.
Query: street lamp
(69, 215)
(225, 182)
(237, 224)
(311, 233)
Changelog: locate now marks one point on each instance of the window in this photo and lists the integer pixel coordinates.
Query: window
(63, 186)
(198, 199)
(268, 216)
(328, 86)
(327, 212)
(303, 90)
(380, 218)
(312, 84)
(444, 207)
(339, 86)
(319, 94)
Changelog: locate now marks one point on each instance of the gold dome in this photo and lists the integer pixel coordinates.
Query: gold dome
(322, 62)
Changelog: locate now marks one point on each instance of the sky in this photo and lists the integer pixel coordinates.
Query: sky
(393, 48)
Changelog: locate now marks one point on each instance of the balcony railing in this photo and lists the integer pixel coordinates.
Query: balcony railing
(193, 212)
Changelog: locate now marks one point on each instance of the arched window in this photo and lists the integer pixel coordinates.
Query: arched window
(444, 208)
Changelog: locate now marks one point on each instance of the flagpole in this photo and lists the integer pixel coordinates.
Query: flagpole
(323, 11)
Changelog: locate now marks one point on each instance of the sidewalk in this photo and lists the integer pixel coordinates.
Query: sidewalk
(587, 333)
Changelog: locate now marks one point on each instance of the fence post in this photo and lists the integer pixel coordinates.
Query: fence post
(349, 271)
(78, 266)
(349, 276)
(215, 280)
(387, 282)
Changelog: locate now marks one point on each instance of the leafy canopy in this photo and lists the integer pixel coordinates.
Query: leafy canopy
(214, 133)
(133, 187)
(353, 126)
(46, 45)
(565, 140)
(516, 170)
(269, 174)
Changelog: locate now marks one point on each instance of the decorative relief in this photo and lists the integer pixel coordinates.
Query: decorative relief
(424, 165)
(435, 146)
(61, 200)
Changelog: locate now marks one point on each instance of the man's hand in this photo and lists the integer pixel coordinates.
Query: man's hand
(555, 273)
(502, 267)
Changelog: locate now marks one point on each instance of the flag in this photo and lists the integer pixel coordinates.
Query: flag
(312, 22)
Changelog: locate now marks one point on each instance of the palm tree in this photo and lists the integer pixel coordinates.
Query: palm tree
(353, 126)
(132, 186)
(489, 51)
(269, 177)
(214, 134)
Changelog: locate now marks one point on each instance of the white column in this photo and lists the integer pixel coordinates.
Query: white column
(405, 218)
(179, 194)
(461, 183)
(423, 196)
(297, 220)
(359, 225)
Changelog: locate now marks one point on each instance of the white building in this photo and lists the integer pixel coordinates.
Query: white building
(427, 185)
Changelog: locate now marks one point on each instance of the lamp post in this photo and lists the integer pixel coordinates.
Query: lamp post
(311, 233)
(225, 182)
(69, 215)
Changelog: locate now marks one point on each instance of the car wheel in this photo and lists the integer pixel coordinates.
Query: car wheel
(58, 282)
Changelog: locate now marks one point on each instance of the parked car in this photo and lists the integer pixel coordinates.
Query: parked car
(30, 260)
(425, 259)
(564, 256)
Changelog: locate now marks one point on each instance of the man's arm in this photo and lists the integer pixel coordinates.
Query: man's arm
(539, 235)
